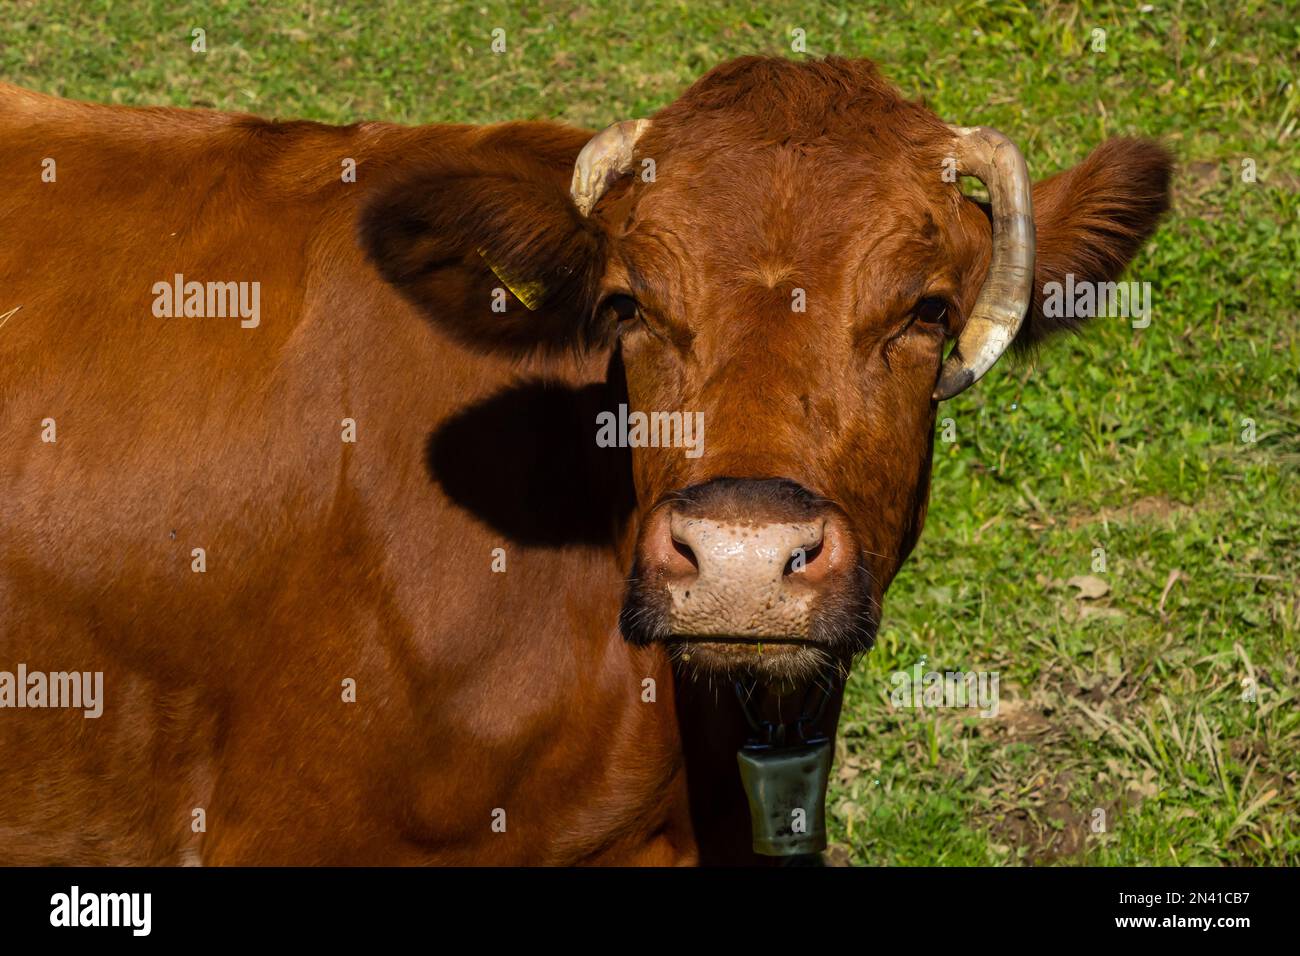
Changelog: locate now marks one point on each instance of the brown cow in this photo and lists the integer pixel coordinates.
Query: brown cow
(306, 463)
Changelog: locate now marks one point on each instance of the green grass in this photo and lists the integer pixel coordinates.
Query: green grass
(1122, 439)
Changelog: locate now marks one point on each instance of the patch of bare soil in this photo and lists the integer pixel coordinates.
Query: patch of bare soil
(1030, 816)
(1041, 827)
(1151, 508)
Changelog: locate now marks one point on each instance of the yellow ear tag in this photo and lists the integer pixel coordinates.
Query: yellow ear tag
(530, 294)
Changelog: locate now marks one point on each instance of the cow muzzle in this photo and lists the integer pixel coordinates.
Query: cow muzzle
(748, 574)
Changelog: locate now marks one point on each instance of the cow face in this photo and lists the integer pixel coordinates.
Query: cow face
(777, 262)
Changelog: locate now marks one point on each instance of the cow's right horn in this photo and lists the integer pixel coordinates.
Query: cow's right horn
(1004, 298)
(606, 157)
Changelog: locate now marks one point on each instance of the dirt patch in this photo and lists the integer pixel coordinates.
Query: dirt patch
(1203, 175)
(1151, 508)
(1029, 815)
(1016, 720)
(837, 854)
(1042, 827)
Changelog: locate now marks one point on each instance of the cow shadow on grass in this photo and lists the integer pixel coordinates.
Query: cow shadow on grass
(525, 462)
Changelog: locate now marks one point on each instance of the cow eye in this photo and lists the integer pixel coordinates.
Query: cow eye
(931, 310)
(622, 306)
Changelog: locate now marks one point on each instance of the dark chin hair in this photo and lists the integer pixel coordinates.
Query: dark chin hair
(847, 620)
(643, 618)
(845, 624)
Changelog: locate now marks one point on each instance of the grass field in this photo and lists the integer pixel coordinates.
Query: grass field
(1170, 701)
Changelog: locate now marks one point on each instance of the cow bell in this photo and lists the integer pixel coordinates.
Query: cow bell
(786, 787)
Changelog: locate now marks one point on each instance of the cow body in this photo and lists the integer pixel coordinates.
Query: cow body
(325, 560)
(307, 466)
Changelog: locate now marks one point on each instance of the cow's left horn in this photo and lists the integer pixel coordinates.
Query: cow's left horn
(606, 157)
(1004, 298)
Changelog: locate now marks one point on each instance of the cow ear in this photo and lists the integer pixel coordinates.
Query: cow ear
(489, 245)
(1090, 222)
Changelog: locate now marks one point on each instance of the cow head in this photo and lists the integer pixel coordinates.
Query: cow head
(782, 254)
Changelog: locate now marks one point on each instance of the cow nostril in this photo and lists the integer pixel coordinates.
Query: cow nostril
(801, 558)
(684, 549)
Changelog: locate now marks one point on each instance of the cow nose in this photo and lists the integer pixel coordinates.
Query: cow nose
(741, 557)
(730, 574)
